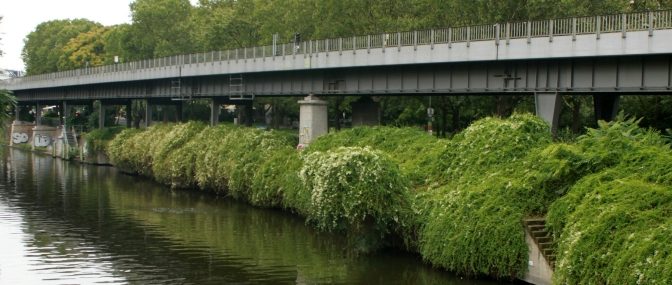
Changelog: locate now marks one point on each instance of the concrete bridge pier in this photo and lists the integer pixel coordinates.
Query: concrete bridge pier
(66, 111)
(245, 113)
(312, 119)
(548, 107)
(215, 110)
(38, 114)
(129, 111)
(365, 112)
(606, 106)
(148, 113)
(101, 115)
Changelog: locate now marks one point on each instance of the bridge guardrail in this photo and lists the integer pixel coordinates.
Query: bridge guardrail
(640, 21)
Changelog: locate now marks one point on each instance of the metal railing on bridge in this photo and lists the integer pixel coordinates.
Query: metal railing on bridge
(641, 21)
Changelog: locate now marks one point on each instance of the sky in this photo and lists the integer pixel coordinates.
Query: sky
(20, 17)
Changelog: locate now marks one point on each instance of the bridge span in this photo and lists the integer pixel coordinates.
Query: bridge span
(602, 56)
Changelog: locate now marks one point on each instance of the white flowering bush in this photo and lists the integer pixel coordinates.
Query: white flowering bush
(614, 225)
(358, 190)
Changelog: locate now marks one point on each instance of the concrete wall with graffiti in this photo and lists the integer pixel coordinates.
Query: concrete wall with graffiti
(35, 136)
(21, 132)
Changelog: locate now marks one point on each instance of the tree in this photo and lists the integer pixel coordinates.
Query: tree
(84, 50)
(161, 27)
(0, 38)
(44, 46)
(7, 103)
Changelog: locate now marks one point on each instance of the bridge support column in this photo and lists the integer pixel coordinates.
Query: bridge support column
(215, 109)
(38, 114)
(245, 113)
(66, 112)
(606, 106)
(365, 112)
(312, 119)
(101, 115)
(17, 111)
(129, 112)
(148, 114)
(178, 112)
(548, 106)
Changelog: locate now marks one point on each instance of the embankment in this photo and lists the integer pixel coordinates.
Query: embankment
(458, 202)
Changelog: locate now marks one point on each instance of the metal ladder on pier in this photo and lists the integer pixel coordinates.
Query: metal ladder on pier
(237, 88)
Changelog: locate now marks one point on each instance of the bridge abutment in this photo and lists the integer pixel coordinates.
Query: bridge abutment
(606, 106)
(365, 112)
(312, 119)
(548, 107)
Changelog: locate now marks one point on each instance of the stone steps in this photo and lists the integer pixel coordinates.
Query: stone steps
(537, 229)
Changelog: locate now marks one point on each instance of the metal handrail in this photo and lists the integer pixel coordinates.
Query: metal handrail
(627, 22)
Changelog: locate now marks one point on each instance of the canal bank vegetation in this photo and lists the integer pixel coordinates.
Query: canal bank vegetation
(458, 202)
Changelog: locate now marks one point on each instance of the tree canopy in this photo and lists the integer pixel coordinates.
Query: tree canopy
(168, 27)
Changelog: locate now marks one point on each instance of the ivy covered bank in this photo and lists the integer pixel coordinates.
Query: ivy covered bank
(458, 202)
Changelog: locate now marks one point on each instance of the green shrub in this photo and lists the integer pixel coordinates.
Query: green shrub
(276, 182)
(98, 139)
(359, 191)
(169, 164)
(123, 148)
(473, 224)
(411, 148)
(613, 226)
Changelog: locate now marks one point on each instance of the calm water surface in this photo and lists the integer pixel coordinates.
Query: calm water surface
(64, 223)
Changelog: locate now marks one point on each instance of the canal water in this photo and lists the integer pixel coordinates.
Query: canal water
(65, 223)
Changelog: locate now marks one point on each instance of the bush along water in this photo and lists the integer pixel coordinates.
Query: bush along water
(458, 202)
(357, 191)
(614, 225)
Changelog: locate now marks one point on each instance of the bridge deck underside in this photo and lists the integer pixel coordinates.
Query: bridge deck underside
(624, 75)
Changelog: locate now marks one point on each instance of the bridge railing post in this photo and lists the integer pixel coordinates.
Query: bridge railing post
(415, 40)
(529, 32)
(650, 18)
(468, 36)
(431, 38)
(598, 24)
(384, 39)
(368, 44)
(398, 41)
(508, 33)
(624, 25)
(496, 34)
(340, 46)
(573, 29)
(551, 23)
(450, 37)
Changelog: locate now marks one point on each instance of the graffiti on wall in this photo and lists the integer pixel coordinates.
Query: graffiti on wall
(19, 138)
(41, 140)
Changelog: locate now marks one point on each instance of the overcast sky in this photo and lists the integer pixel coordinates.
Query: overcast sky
(20, 17)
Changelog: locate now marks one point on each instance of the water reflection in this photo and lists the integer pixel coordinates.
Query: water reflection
(65, 223)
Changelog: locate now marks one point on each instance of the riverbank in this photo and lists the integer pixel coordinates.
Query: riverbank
(458, 202)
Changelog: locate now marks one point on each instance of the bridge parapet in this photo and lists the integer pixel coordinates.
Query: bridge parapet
(469, 43)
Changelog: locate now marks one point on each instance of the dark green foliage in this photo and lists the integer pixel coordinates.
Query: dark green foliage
(359, 191)
(613, 226)
(98, 139)
(472, 223)
(458, 202)
(44, 46)
(7, 104)
(412, 149)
